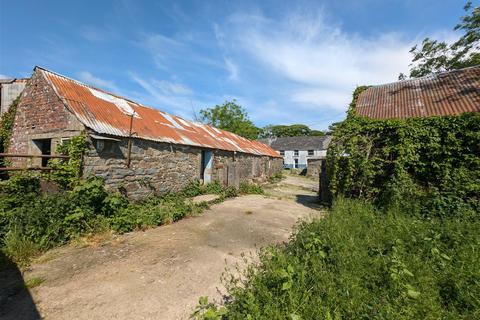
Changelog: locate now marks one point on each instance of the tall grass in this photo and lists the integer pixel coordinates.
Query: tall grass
(362, 263)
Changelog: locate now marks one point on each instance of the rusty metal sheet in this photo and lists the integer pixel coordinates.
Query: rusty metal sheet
(107, 113)
(441, 94)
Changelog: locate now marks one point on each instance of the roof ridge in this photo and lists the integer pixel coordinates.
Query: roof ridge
(434, 74)
(92, 87)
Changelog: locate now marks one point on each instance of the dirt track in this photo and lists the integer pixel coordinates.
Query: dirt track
(161, 273)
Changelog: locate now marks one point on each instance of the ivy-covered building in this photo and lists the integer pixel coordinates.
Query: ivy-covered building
(139, 148)
(440, 94)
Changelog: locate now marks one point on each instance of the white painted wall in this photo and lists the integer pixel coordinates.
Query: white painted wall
(289, 157)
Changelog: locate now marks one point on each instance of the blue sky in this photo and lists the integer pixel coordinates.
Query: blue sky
(284, 61)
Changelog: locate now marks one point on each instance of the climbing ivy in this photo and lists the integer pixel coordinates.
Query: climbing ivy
(67, 173)
(427, 165)
(6, 125)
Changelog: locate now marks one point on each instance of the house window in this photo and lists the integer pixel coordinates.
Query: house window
(282, 152)
(295, 153)
(310, 152)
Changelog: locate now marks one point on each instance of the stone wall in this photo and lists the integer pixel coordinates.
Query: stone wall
(40, 115)
(158, 168)
(155, 167)
(314, 167)
(230, 169)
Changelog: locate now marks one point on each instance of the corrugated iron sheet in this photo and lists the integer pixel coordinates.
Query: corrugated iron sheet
(109, 115)
(440, 94)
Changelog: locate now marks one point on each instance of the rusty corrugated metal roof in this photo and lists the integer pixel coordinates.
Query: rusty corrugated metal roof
(440, 94)
(110, 114)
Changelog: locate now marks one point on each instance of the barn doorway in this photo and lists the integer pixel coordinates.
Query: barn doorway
(207, 164)
(45, 148)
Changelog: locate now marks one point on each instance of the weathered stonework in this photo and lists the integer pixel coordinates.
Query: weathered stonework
(40, 115)
(155, 167)
(231, 169)
(159, 168)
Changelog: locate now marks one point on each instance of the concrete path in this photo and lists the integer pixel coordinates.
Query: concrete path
(161, 273)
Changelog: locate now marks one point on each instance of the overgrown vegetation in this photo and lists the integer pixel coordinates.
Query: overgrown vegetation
(361, 262)
(401, 240)
(433, 162)
(67, 172)
(32, 222)
(6, 125)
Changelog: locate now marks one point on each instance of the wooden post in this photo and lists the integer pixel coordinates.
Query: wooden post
(129, 152)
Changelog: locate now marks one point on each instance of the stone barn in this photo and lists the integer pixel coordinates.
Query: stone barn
(139, 148)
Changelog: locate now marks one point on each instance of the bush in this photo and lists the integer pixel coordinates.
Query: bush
(433, 162)
(32, 222)
(276, 177)
(250, 188)
(360, 262)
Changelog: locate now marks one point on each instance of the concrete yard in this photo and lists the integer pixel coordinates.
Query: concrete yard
(160, 273)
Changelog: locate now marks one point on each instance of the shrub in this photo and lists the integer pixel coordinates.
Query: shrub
(433, 162)
(32, 222)
(361, 262)
(250, 188)
(276, 177)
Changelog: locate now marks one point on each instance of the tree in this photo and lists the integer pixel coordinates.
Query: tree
(293, 130)
(230, 117)
(435, 56)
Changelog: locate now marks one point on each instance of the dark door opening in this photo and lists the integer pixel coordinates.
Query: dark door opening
(45, 147)
(296, 163)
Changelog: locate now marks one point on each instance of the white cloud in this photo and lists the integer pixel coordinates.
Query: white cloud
(90, 79)
(231, 68)
(318, 62)
(167, 96)
(2, 76)
(171, 53)
(160, 47)
(171, 87)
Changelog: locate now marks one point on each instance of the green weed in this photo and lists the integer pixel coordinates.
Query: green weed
(362, 262)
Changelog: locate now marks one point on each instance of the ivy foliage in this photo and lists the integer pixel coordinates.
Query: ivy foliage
(6, 125)
(427, 165)
(67, 173)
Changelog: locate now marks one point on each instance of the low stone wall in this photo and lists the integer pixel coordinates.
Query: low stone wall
(314, 167)
(232, 169)
(159, 168)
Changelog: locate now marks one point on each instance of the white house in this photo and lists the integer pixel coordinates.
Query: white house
(297, 150)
